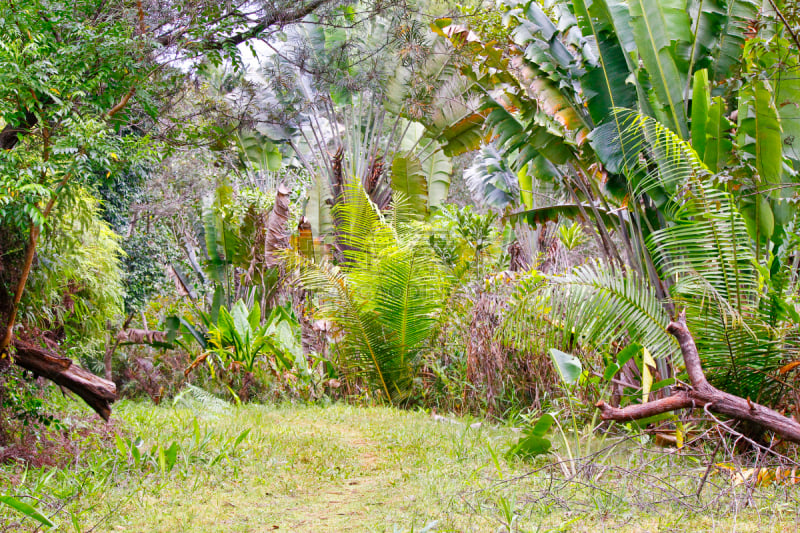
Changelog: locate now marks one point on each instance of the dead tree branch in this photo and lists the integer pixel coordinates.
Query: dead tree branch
(95, 391)
(703, 395)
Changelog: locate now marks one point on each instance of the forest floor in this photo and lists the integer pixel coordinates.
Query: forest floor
(212, 467)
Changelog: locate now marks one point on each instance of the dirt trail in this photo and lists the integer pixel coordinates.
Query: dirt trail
(340, 504)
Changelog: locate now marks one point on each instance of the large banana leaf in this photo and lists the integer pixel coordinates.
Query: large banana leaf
(657, 26)
(718, 144)
(759, 131)
(605, 82)
(731, 35)
(260, 151)
(437, 168)
(786, 84)
(409, 179)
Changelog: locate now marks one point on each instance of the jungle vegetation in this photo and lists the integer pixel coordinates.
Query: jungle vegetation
(576, 218)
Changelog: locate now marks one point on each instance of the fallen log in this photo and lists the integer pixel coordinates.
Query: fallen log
(701, 394)
(97, 392)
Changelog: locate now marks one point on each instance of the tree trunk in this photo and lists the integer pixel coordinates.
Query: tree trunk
(9, 136)
(277, 238)
(95, 391)
(702, 394)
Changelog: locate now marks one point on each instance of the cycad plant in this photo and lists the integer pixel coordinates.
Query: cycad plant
(741, 309)
(383, 298)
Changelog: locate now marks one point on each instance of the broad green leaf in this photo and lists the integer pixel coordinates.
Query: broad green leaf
(648, 367)
(611, 370)
(254, 317)
(718, 144)
(608, 79)
(627, 353)
(534, 443)
(759, 132)
(437, 167)
(525, 187)
(162, 460)
(657, 26)
(569, 367)
(27, 509)
(171, 456)
(786, 82)
(758, 216)
(542, 425)
(408, 178)
(700, 104)
(530, 446)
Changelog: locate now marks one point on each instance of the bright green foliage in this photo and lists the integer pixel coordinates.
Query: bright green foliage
(27, 510)
(534, 442)
(409, 179)
(240, 337)
(78, 282)
(466, 241)
(592, 306)
(759, 131)
(742, 312)
(49, 77)
(421, 171)
(569, 65)
(232, 241)
(571, 236)
(383, 298)
(569, 367)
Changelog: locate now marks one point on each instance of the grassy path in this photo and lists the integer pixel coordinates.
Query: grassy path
(342, 468)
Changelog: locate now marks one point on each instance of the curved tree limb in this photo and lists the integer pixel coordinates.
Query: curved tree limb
(702, 394)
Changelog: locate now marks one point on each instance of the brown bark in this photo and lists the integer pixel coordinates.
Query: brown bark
(122, 103)
(703, 394)
(9, 136)
(97, 392)
(277, 237)
(141, 336)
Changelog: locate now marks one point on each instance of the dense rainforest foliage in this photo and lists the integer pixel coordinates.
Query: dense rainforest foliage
(575, 216)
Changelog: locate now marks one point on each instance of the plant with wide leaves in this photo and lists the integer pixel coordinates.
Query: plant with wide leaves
(743, 309)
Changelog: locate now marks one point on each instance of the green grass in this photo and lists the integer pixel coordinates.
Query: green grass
(345, 468)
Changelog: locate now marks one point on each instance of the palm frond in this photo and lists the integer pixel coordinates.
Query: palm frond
(383, 299)
(592, 307)
(706, 255)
